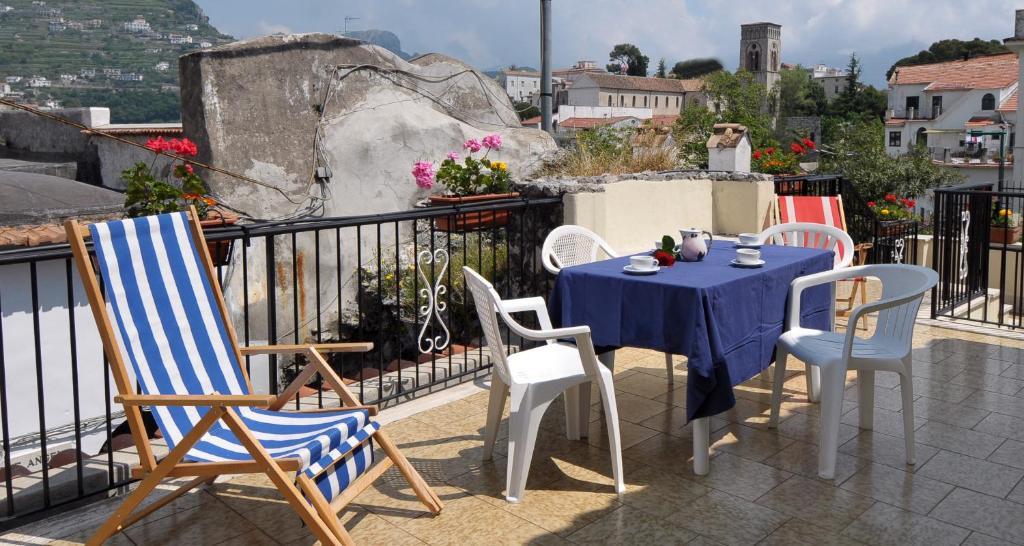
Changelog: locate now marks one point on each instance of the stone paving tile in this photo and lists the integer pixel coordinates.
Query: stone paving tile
(947, 412)
(728, 519)
(817, 502)
(1011, 453)
(958, 440)
(800, 458)
(988, 382)
(627, 525)
(992, 401)
(901, 489)
(887, 525)
(883, 420)
(970, 473)
(998, 518)
(999, 424)
(802, 533)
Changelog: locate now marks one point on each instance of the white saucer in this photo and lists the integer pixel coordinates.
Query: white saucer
(746, 245)
(738, 263)
(634, 271)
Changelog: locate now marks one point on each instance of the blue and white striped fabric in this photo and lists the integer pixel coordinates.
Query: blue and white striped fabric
(169, 327)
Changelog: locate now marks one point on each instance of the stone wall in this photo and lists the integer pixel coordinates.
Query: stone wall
(27, 135)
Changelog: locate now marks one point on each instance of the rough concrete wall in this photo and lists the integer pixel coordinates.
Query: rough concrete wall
(253, 107)
(115, 157)
(23, 132)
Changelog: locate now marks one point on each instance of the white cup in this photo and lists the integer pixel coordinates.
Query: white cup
(643, 262)
(748, 255)
(749, 238)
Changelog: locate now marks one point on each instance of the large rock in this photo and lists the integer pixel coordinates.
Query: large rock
(254, 106)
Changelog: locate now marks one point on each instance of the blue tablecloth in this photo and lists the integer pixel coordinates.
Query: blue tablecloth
(724, 319)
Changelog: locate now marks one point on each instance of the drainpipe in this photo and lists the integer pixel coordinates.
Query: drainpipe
(545, 65)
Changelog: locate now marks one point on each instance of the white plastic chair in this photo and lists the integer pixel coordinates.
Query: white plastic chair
(571, 245)
(823, 237)
(888, 349)
(809, 235)
(535, 377)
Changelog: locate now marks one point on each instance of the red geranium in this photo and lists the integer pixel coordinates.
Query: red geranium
(890, 198)
(808, 143)
(158, 144)
(664, 258)
(871, 203)
(909, 203)
(797, 148)
(769, 151)
(757, 154)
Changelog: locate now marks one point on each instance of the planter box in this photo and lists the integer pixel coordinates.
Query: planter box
(471, 221)
(889, 228)
(1002, 235)
(220, 251)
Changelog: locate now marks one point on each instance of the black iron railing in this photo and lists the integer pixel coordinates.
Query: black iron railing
(978, 255)
(394, 279)
(886, 241)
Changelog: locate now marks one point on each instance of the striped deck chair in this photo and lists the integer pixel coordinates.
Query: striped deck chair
(165, 316)
(827, 210)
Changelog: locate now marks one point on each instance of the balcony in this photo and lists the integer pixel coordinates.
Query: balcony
(762, 485)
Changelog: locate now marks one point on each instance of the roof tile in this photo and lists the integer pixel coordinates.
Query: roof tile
(985, 72)
(639, 83)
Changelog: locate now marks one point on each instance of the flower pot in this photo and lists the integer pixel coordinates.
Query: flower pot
(471, 221)
(220, 251)
(1007, 235)
(888, 228)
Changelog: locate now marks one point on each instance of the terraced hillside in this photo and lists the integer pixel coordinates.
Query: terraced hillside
(86, 52)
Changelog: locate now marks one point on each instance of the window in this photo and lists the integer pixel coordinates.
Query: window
(645, 101)
(915, 103)
(609, 100)
(655, 101)
(837, 88)
(634, 101)
(622, 100)
(988, 102)
(895, 139)
(677, 102)
(936, 105)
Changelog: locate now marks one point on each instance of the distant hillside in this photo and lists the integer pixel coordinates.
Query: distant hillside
(383, 38)
(117, 53)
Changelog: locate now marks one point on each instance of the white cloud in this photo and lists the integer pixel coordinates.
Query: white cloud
(264, 27)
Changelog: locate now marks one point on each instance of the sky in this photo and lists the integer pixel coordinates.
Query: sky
(490, 33)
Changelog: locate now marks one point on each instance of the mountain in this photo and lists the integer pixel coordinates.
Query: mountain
(117, 53)
(383, 38)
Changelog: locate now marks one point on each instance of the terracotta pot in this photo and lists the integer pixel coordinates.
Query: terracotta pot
(1000, 235)
(471, 221)
(220, 251)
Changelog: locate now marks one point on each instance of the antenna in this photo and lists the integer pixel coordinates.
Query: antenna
(347, 19)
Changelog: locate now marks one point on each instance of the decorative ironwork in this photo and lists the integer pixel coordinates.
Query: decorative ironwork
(897, 251)
(965, 223)
(434, 305)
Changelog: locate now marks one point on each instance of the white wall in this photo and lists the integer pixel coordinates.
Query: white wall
(567, 111)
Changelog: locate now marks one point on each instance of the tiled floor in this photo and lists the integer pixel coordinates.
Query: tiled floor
(966, 488)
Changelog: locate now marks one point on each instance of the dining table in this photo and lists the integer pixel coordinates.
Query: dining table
(723, 317)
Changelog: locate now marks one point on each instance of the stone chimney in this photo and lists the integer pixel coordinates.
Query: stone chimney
(729, 148)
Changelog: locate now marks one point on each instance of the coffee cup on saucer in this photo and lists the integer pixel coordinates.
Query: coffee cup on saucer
(748, 256)
(643, 262)
(748, 239)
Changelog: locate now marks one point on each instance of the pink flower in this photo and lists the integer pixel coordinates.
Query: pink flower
(423, 172)
(492, 142)
(454, 156)
(473, 145)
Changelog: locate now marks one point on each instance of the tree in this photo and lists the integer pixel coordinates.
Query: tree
(661, 68)
(857, 102)
(526, 110)
(695, 68)
(736, 98)
(857, 152)
(799, 94)
(629, 55)
(950, 50)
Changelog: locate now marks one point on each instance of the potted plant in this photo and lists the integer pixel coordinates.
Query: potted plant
(147, 193)
(470, 181)
(1006, 227)
(892, 211)
(771, 160)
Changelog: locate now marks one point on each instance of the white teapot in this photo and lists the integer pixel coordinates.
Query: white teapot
(693, 248)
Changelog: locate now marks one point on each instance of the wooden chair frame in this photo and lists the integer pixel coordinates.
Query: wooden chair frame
(320, 515)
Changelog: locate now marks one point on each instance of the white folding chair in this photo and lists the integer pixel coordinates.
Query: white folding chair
(570, 245)
(888, 349)
(820, 236)
(535, 377)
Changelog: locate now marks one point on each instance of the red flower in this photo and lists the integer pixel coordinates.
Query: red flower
(871, 204)
(189, 169)
(769, 151)
(757, 154)
(664, 258)
(183, 147)
(158, 144)
(797, 148)
(909, 203)
(808, 143)
(891, 198)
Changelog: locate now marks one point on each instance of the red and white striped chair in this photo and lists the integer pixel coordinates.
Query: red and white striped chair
(827, 210)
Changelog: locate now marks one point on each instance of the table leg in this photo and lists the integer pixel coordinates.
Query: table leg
(701, 445)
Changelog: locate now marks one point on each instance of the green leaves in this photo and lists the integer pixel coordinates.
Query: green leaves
(473, 177)
(668, 244)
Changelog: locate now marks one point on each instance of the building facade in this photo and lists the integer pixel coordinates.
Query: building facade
(519, 84)
(664, 96)
(832, 80)
(761, 52)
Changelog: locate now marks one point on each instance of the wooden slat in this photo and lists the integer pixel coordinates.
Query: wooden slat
(185, 470)
(356, 347)
(360, 485)
(257, 400)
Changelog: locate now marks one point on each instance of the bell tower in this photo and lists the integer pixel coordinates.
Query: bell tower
(761, 52)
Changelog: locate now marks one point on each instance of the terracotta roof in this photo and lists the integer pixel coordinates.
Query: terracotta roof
(527, 73)
(727, 135)
(531, 121)
(639, 83)
(663, 120)
(144, 129)
(589, 123)
(45, 234)
(979, 121)
(985, 72)
(1010, 104)
(895, 122)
